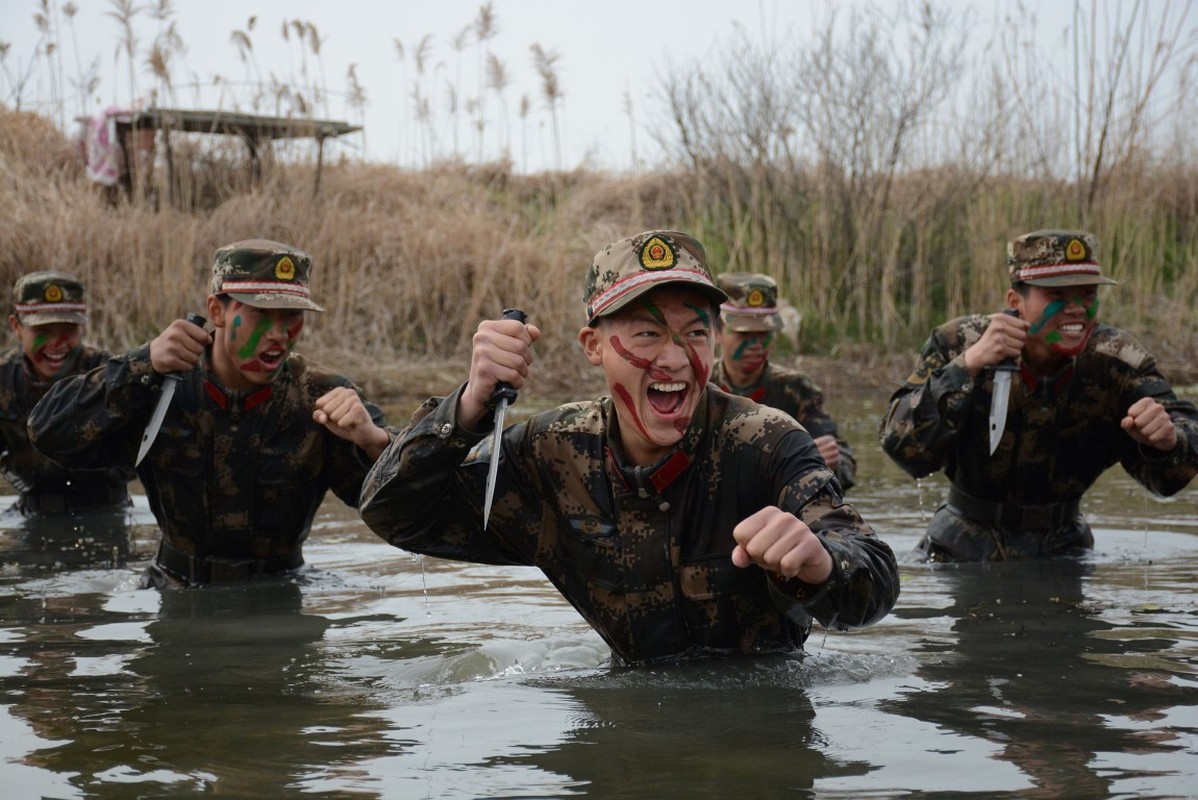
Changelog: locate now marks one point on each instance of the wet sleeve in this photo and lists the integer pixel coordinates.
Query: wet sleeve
(97, 419)
(864, 584)
(347, 464)
(425, 493)
(1164, 474)
(808, 400)
(925, 413)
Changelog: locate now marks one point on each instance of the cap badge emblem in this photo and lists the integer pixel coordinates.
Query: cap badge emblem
(285, 269)
(53, 293)
(1075, 250)
(656, 253)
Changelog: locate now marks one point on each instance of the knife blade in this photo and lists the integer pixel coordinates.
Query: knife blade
(169, 383)
(503, 396)
(1001, 397)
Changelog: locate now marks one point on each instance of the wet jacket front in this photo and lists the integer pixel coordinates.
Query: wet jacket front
(40, 481)
(642, 553)
(231, 475)
(1061, 434)
(799, 396)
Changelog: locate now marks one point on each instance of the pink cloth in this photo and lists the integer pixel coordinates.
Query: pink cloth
(103, 150)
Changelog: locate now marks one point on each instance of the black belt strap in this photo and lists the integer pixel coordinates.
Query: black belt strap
(195, 570)
(1013, 516)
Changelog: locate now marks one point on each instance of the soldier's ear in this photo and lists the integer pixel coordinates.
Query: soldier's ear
(592, 344)
(216, 311)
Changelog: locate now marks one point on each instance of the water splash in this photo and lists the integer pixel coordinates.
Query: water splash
(428, 608)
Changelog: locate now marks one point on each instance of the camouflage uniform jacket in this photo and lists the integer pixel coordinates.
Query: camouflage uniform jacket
(231, 475)
(642, 553)
(799, 396)
(42, 484)
(1061, 434)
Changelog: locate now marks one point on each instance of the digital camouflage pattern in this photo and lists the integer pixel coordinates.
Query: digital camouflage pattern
(800, 397)
(49, 296)
(232, 476)
(643, 554)
(263, 274)
(42, 484)
(1055, 258)
(1061, 435)
(625, 270)
(752, 304)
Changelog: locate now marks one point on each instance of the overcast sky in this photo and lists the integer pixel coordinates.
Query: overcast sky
(610, 56)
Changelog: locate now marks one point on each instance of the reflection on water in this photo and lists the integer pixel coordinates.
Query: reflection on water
(381, 674)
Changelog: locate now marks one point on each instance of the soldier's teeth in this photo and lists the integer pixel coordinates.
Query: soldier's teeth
(668, 387)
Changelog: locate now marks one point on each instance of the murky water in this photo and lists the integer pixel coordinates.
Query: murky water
(381, 674)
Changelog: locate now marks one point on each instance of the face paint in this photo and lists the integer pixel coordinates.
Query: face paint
(702, 372)
(704, 317)
(655, 312)
(626, 399)
(637, 361)
(1051, 310)
(251, 345)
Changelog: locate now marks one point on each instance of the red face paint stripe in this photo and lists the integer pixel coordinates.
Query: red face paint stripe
(626, 399)
(625, 354)
(702, 373)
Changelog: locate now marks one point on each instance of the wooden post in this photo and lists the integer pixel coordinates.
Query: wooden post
(170, 161)
(251, 138)
(125, 172)
(319, 162)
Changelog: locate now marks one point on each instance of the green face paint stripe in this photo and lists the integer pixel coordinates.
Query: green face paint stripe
(655, 311)
(1051, 310)
(40, 340)
(739, 352)
(1053, 338)
(249, 347)
(1092, 309)
(702, 312)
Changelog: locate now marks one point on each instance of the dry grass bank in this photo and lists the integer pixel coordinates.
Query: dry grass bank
(407, 263)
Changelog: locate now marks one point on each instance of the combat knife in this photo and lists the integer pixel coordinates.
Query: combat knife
(503, 396)
(164, 401)
(1001, 398)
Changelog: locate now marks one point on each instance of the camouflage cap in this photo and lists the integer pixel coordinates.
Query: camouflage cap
(1055, 258)
(46, 297)
(625, 270)
(263, 274)
(752, 305)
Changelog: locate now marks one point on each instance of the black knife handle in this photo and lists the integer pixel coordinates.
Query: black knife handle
(1008, 364)
(197, 320)
(503, 389)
